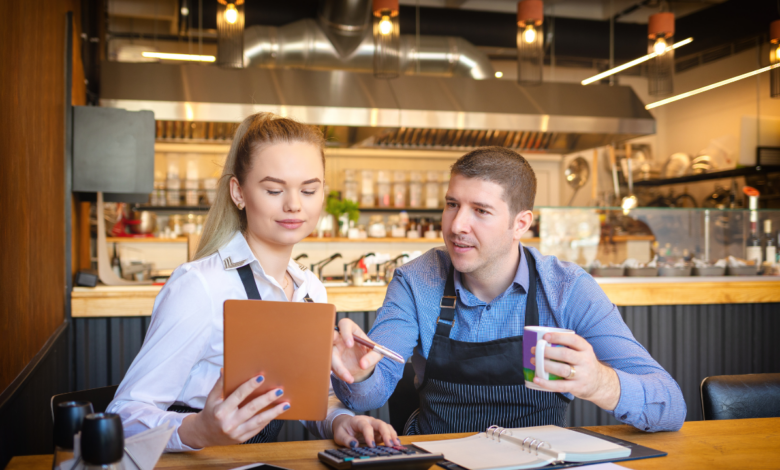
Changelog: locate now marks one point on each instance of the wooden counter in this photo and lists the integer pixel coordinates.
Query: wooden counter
(131, 301)
(708, 445)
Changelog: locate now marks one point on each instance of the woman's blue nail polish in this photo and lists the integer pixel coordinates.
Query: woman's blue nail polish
(286, 407)
(373, 444)
(260, 378)
(279, 393)
(353, 444)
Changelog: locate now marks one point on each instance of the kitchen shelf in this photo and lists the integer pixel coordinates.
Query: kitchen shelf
(145, 240)
(173, 208)
(411, 210)
(439, 241)
(747, 171)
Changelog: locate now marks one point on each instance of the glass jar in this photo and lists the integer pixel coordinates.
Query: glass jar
(445, 183)
(399, 189)
(367, 188)
(173, 192)
(415, 189)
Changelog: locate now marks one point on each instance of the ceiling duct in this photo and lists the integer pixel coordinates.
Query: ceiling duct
(406, 112)
(340, 38)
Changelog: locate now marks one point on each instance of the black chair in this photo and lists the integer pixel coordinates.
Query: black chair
(99, 397)
(741, 396)
(404, 400)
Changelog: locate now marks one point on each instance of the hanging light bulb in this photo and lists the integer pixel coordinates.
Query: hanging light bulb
(529, 35)
(530, 44)
(387, 40)
(230, 33)
(660, 46)
(774, 58)
(231, 13)
(660, 69)
(385, 25)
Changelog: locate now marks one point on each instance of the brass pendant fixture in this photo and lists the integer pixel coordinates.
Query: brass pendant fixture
(774, 58)
(230, 33)
(660, 69)
(387, 39)
(530, 41)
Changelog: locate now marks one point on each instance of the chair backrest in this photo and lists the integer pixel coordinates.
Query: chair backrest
(741, 396)
(99, 397)
(404, 400)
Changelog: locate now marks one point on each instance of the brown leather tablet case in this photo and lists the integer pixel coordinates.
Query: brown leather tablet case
(289, 343)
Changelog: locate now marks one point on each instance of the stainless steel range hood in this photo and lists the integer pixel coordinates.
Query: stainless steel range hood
(407, 112)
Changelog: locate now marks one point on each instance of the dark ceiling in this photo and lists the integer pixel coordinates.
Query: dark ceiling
(716, 25)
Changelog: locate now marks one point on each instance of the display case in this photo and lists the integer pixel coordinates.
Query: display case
(674, 242)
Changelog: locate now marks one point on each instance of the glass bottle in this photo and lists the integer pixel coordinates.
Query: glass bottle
(753, 245)
(770, 243)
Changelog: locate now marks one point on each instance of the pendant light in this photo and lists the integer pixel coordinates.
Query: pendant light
(774, 58)
(530, 41)
(387, 40)
(230, 33)
(660, 70)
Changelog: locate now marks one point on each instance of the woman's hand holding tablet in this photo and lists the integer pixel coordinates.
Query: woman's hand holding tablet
(222, 422)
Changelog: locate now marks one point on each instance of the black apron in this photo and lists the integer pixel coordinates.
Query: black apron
(469, 387)
(271, 431)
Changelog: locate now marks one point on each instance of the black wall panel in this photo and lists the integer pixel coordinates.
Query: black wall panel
(690, 341)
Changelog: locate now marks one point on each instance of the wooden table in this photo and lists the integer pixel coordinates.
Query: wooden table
(710, 445)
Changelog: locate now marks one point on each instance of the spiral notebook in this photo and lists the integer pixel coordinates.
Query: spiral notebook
(508, 449)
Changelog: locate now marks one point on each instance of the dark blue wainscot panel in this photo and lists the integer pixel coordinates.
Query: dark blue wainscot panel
(690, 341)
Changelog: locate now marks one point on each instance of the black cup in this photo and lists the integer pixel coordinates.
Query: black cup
(68, 418)
(102, 439)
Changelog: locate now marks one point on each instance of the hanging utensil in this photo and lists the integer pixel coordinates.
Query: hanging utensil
(577, 174)
(614, 172)
(629, 202)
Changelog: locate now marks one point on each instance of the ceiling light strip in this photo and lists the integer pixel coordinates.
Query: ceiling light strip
(169, 56)
(710, 87)
(634, 62)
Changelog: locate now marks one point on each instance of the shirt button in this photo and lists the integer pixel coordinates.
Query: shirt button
(488, 307)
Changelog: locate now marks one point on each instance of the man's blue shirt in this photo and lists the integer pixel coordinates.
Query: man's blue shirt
(567, 297)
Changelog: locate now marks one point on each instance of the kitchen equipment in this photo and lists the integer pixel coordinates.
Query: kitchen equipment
(139, 222)
(576, 175)
(709, 271)
(674, 272)
(614, 172)
(642, 272)
(629, 202)
(607, 272)
(676, 166)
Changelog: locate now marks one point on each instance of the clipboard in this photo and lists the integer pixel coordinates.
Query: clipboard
(288, 343)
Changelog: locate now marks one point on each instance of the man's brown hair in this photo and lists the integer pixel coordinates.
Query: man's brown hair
(504, 167)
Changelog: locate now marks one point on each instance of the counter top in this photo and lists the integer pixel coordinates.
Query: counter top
(133, 301)
(709, 445)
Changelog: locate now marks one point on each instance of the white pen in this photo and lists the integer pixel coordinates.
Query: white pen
(378, 348)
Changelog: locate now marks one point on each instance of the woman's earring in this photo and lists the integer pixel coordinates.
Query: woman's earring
(240, 206)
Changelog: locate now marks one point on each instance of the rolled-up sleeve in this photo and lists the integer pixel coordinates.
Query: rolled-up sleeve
(650, 399)
(397, 329)
(177, 336)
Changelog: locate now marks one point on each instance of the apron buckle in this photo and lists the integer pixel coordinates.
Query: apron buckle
(450, 297)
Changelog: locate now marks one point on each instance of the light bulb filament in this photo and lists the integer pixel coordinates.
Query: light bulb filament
(529, 35)
(231, 13)
(660, 46)
(385, 25)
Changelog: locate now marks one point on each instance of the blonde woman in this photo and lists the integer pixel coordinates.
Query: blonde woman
(269, 198)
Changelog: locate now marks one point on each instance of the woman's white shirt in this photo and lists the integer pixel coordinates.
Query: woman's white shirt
(182, 353)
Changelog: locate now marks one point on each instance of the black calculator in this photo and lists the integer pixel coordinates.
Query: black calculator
(406, 457)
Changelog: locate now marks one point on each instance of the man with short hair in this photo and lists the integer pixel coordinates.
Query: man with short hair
(459, 313)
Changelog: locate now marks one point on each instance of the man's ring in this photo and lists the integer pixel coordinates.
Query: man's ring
(571, 373)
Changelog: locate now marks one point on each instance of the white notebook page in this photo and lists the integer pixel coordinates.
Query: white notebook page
(480, 452)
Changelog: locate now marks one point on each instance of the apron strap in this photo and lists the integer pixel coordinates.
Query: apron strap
(248, 279)
(449, 301)
(447, 306)
(531, 307)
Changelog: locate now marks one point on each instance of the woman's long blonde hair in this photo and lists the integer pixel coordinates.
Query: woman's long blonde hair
(256, 132)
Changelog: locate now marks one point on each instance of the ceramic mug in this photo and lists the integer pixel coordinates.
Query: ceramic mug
(532, 337)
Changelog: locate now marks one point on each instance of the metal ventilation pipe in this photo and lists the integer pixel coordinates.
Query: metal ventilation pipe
(341, 39)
